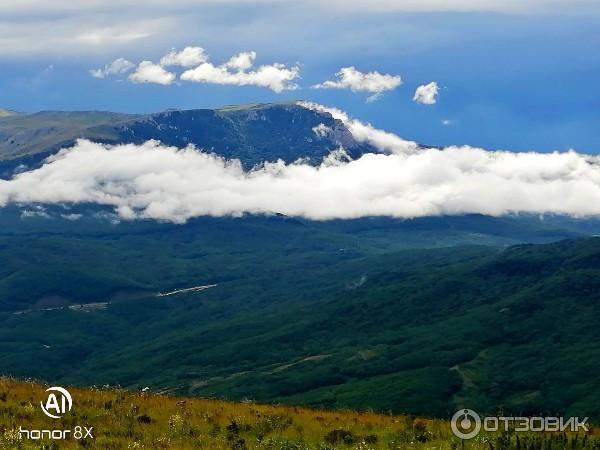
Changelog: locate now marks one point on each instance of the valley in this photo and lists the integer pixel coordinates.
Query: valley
(335, 315)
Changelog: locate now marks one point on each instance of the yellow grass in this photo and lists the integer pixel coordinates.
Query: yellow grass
(122, 419)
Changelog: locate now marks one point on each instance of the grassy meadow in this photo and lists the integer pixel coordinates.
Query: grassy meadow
(130, 420)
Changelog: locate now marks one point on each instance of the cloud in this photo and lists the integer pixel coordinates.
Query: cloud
(241, 61)
(504, 6)
(341, 6)
(148, 72)
(237, 71)
(118, 66)
(31, 28)
(373, 82)
(78, 34)
(322, 130)
(426, 94)
(107, 35)
(365, 132)
(188, 57)
(165, 183)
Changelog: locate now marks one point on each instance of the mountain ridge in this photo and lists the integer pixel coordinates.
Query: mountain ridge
(253, 133)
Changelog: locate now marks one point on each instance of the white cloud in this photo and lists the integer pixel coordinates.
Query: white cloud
(107, 35)
(188, 57)
(373, 82)
(165, 183)
(72, 217)
(118, 66)
(426, 94)
(365, 132)
(504, 6)
(241, 61)
(38, 211)
(30, 28)
(148, 72)
(237, 71)
(340, 6)
(78, 34)
(321, 130)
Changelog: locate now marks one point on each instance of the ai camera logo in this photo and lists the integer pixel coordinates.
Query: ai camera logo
(58, 403)
(465, 424)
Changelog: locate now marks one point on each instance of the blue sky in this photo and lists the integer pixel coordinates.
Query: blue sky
(512, 75)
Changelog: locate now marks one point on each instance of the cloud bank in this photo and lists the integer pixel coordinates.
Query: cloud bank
(426, 94)
(166, 183)
(66, 27)
(357, 81)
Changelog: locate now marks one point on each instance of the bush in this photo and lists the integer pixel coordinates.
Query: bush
(340, 436)
(144, 419)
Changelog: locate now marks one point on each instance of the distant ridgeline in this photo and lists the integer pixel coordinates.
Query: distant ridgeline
(251, 133)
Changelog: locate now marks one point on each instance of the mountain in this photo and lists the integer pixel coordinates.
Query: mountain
(334, 314)
(7, 112)
(252, 133)
(419, 315)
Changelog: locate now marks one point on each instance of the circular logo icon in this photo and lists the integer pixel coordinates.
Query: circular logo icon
(58, 403)
(465, 424)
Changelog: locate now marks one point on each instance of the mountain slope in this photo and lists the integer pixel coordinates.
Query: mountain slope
(305, 313)
(443, 330)
(47, 131)
(251, 133)
(7, 112)
(122, 420)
